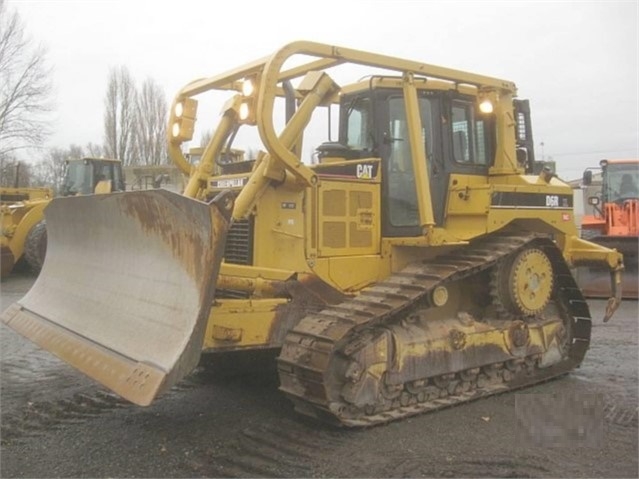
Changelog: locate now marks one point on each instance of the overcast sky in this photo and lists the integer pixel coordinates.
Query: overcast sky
(577, 62)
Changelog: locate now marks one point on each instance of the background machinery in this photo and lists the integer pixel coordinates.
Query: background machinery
(414, 266)
(614, 223)
(21, 210)
(24, 233)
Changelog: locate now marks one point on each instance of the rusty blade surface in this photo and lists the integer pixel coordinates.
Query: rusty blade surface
(126, 287)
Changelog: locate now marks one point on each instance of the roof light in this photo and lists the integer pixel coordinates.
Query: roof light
(248, 87)
(179, 109)
(175, 130)
(486, 106)
(244, 111)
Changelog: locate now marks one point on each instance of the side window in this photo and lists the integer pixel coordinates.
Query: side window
(470, 136)
(461, 134)
(118, 181)
(426, 114)
(482, 142)
(359, 133)
(102, 171)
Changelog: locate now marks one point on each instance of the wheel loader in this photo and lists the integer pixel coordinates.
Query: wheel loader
(413, 263)
(24, 234)
(614, 222)
(21, 209)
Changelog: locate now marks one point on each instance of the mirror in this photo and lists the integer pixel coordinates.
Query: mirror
(587, 179)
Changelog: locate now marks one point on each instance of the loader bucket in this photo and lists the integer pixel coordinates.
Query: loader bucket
(126, 287)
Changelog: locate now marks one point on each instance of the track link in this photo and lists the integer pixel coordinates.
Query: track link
(306, 363)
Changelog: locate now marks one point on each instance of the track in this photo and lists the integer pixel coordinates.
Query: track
(311, 362)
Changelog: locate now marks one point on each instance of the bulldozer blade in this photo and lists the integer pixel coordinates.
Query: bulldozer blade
(126, 287)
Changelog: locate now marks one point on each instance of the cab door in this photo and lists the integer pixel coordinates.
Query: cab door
(400, 205)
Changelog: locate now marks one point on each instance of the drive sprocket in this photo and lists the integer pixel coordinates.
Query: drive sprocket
(522, 285)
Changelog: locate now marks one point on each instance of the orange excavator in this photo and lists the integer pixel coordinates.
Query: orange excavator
(614, 224)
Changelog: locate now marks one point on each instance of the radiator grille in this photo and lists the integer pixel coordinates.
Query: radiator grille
(239, 243)
(238, 250)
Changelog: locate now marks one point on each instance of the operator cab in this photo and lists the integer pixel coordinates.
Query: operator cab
(82, 177)
(457, 139)
(620, 180)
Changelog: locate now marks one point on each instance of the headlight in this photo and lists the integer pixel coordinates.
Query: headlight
(179, 109)
(244, 111)
(248, 87)
(486, 106)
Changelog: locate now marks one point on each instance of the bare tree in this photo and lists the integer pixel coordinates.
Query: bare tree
(25, 86)
(119, 116)
(14, 173)
(150, 125)
(205, 138)
(93, 150)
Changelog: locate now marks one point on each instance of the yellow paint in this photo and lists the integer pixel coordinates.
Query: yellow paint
(349, 273)
(478, 335)
(329, 228)
(240, 323)
(17, 221)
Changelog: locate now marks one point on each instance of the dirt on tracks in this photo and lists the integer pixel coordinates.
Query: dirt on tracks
(56, 423)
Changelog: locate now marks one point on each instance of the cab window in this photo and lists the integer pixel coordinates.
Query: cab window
(402, 192)
(78, 179)
(359, 121)
(470, 136)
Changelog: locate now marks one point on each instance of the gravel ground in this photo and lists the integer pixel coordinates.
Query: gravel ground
(56, 423)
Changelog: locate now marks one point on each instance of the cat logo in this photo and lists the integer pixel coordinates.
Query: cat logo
(228, 183)
(365, 172)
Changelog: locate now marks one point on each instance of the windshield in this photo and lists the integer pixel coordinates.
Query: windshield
(78, 179)
(83, 176)
(621, 181)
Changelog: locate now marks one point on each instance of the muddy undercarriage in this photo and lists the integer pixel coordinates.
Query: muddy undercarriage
(502, 314)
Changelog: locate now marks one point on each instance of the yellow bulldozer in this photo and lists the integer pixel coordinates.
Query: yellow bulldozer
(417, 263)
(24, 234)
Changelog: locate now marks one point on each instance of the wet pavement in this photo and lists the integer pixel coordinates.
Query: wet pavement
(56, 423)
